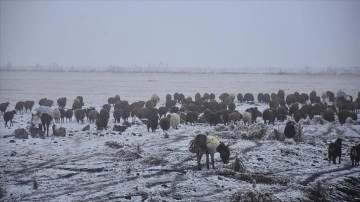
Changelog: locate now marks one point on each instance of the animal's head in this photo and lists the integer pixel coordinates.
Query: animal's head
(224, 152)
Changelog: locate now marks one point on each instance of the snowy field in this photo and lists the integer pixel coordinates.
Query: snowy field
(137, 165)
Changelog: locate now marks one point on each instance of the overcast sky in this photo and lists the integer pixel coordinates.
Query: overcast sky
(181, 33)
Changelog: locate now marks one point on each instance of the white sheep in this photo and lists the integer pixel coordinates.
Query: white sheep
(247, 117)
(56, 115)
(174, 120)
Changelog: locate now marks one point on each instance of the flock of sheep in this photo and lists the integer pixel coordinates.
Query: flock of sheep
(206, 109)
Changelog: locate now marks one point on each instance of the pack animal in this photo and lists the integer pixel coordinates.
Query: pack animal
(208, 145)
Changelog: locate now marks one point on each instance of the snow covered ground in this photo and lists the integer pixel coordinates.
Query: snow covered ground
(137, 165)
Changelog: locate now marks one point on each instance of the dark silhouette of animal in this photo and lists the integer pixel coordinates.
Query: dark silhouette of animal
(235, 116)
(153, 122)
(163, 111)
(19, 107)
(93, 115)
(208, 145)
(46, 120)
(28, 105)
(290, 130)
(355, 155)
(117, 113)
(254, 113)
(4, 106)
(62, 114)
(334, 151)
(8, 116)
(240, 97)
(165, 124)
(69, 114)
(80, 115)
(102, 120)
(61, 102)
(281, 113)
(269, 115)
(344, 114)
(191, 117)
(248, 97)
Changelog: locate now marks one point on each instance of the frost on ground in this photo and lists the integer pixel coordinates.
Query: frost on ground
(136, 165)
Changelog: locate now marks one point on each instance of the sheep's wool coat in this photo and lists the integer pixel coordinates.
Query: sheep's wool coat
(174, 120)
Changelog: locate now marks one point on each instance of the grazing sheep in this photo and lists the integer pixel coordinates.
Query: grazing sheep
(8, 116)
(155, 98)
(4, 106)
(202, 144)
(61, 102)
(46, 120)
(281, 113)
(330, 95)
(174, 110)
(56, 115)
(355, 155)
(69, 114)
(293, 108)
(290, 130)
(93, 115)
(281, 94)
(248, 97)
(112, 101)
(344, 114)
(247, 117)
(19, 107)
(266, 98)
(254, 113)
(48, 103)
(239, 97)
(229, 99)
(235, 116)
(77, 104)
(231, 107)
(102, 120)
(62, 114)
(174, 120)
(334, 151)
(168, 97)
(80, 115)
(211, 117)
(28, 105)
(108, 107)
(42, 101)
(303, 98)
(192, 117)
(269, 115)
(117, 114)
(290, 99)
(152, 123)
(165, 125)
(163, 111)
(260, 97)
(299, 114)
(328, 115)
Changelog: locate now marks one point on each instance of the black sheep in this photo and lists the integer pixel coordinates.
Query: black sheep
(334, 151)
(344, 114)
(355, 155)
(61, 102)
(28, 105)
(192, 117)
(152, 123)
(69, 114)
(290, 130)
(269, 115)
(163, 111)
(80, 115)
(8, 116)
(117, 114)
(102, 120)
(19, 107)
(165, 124)
(4, 106)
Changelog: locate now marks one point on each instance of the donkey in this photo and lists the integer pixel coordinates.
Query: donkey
(209, 145)
(334, 151)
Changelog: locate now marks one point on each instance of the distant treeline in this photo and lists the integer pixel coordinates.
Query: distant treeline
(202, 70)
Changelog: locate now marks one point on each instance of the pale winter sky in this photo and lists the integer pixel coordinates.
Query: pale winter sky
(181, 33)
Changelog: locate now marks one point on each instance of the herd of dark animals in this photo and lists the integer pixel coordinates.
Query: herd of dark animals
(213, 112)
